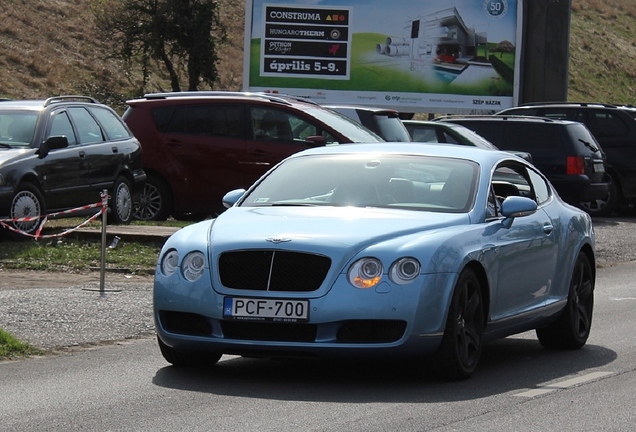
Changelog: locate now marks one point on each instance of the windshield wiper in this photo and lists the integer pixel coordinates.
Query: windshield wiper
(293, 204)
(589, 145)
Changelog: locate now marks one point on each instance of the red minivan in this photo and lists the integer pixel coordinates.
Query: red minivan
(197, 146)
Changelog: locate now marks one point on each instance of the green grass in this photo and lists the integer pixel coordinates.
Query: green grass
(10, 347)
(76, 253)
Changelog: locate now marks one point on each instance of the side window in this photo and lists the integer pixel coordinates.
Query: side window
(301, 129)
(424, 135)
(448, 138)
(509, 179)
(270, 125)
(576, 115)
(88, 131)
(112, 125)
(199, 119)
(162, 117)
(559, 114)
(61, 125)
(540, 187)
(606, 124)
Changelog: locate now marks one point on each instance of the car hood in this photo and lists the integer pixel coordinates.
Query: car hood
(7, 155)
(338, 232)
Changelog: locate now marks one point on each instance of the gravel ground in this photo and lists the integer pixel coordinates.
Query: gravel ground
(56, 311)
(66, 311)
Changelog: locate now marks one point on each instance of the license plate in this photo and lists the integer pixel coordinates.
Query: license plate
(278, 310)
(599, 167)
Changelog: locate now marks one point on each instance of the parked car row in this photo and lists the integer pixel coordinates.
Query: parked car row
(565, 151)
(571, 159)
(176, 154)
(614, 128)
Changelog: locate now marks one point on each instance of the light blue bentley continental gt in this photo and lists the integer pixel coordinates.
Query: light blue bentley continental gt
(379, 250)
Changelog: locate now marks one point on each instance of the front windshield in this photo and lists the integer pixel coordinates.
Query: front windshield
(346, 126)
(362, 180)
(17, 128)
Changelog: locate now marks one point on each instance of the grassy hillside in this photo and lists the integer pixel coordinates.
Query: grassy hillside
(48, 47)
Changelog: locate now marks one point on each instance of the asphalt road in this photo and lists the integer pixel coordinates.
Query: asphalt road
(519, 386)
(126, 384)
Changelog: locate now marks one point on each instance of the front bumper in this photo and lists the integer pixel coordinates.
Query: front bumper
(388, 321)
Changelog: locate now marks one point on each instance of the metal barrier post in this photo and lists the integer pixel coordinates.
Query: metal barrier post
(102, 269)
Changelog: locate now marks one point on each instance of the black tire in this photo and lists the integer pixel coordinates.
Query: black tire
(155, 201)
(121, 206)
(27, 202)
(572, 328)
(462, 342)
(603, 207)
(188, 359)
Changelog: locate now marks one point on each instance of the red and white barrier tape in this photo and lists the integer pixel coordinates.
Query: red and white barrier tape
(103, 204)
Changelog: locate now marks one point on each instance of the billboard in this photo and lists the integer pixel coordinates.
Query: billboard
(410, 55)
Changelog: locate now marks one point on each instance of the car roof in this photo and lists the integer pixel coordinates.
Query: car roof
(208, 95)
(361, 107)
(480, 155)
(506, 118)
(564, 104)
(38, 104)
(428, 122)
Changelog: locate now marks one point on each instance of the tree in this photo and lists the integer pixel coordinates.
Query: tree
(503, 47)
(181, 36)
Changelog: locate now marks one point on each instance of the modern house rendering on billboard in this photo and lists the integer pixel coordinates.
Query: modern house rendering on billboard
(442, 41)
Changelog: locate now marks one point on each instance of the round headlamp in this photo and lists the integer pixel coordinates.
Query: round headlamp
(365, 273)
(404, 271)
(193, 266)
(170, 262)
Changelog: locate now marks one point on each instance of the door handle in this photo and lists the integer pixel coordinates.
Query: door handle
(82, 154)
(548, 228)
(115, 149)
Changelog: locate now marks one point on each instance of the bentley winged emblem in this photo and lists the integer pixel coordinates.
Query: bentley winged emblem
(277, 240)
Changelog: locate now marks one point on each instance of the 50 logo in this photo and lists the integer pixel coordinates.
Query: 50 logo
(496, 8)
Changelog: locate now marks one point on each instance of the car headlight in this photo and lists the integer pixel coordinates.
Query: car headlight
(365, 273)
(170, 262)
(404, 271)
(193, 266)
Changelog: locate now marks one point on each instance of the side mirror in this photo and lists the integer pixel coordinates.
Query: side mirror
(52, 143)
(316, 140)
(232, 197)
(516, 206)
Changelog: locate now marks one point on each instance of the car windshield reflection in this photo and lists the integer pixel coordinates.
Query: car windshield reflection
(388, 181)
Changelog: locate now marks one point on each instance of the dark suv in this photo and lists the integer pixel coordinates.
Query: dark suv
(59, 154)
(199, 145)
(614, 127)
(565, 151)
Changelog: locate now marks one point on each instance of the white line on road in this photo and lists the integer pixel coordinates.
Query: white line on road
(563, 384)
